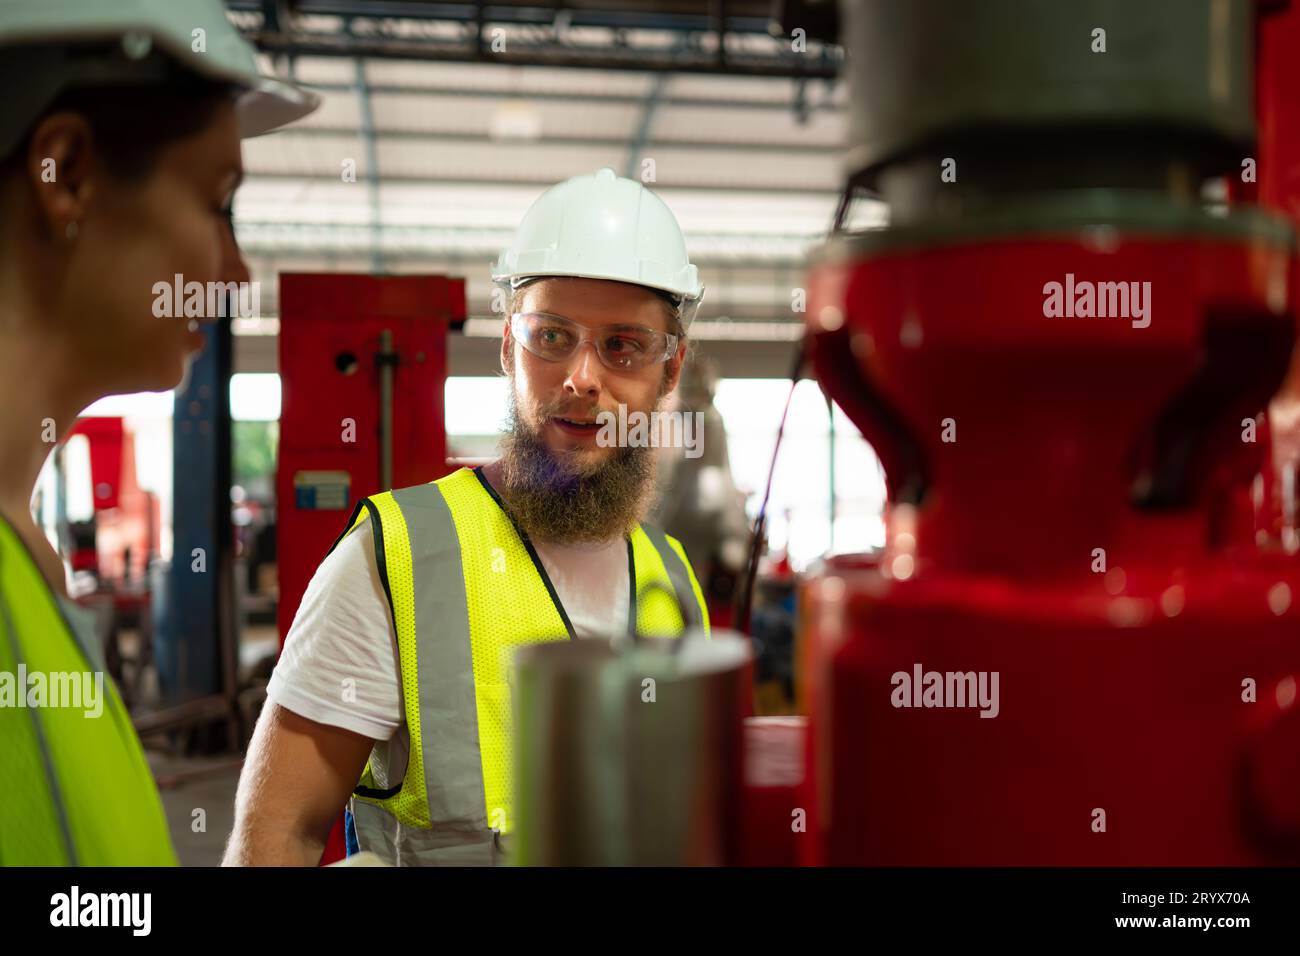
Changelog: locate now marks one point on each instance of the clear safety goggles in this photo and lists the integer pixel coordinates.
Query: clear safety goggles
(553, 338)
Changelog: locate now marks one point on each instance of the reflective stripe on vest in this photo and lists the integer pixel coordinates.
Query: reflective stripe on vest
(481, 594)
(77, 789)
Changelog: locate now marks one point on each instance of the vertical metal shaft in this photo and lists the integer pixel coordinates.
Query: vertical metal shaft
(385, 409)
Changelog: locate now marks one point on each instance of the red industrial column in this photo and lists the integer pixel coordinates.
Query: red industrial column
(363, 361)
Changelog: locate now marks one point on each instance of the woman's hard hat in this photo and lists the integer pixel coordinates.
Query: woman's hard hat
(45, 49)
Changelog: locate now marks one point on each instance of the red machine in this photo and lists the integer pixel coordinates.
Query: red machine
(363, 361)
(1070, 521)
(117, 546)
(126, 517)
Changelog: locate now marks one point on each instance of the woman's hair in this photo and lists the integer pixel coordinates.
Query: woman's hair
(132, 124)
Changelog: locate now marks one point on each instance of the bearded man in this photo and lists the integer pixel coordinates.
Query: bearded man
(392, 694)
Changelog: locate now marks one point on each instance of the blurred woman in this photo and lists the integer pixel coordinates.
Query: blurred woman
(120, 134)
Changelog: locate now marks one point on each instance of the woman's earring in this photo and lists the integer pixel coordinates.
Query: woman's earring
(72, 231)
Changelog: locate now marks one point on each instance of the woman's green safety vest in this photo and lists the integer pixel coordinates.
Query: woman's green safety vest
(466, 590)
(75, 789)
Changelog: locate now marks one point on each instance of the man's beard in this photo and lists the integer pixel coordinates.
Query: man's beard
(561, 499)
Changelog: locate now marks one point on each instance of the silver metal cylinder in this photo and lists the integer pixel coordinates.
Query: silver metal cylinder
(1042, 79)
(630, 755)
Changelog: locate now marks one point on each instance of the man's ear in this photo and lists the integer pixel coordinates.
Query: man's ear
(507, 348)
(60, 160)
(674, 371)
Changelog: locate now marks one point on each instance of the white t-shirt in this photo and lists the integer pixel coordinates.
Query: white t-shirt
(340, 664)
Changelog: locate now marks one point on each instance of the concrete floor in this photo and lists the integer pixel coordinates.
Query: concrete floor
(198, 796)
(198, 793)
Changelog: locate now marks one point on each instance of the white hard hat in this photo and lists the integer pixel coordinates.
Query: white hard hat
(39, 58)
(602, 226)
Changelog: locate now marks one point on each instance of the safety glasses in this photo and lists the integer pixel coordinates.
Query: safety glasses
(553, 338)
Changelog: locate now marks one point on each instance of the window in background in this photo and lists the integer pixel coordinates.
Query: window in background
(255, 437)
(255, 440)
(255, 397)
(799, 512)
(78, 491)
(475, 415)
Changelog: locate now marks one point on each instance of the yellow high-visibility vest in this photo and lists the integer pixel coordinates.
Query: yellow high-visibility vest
(466, 589)
(75, 788)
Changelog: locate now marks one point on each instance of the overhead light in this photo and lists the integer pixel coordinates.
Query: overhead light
(516, 120)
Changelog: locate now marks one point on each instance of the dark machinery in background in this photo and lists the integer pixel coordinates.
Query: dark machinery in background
(699, 503)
